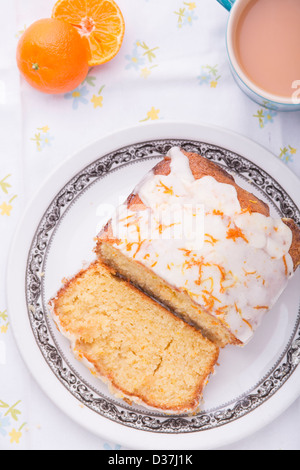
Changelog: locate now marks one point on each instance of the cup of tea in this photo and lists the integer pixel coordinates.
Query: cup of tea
(263, 45)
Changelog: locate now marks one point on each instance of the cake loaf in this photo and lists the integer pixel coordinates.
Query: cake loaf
(141, 350)
(222, 273)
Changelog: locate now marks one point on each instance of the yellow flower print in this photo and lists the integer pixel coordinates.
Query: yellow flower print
(21, 31)
(4, 328)
(44, 129)
(11, 412)
(209, 76)
(15, 436)
(145, 72)
(3, 318)
(143, 58)
(42, 138)
(152, 115)
(287, 154)
(186, 14)
(97, 100)
(5, 209)
(265, 116)
(292, 150)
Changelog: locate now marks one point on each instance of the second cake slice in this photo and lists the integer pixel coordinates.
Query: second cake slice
(144, 352)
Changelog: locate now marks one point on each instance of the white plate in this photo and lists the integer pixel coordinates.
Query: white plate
(252, 385)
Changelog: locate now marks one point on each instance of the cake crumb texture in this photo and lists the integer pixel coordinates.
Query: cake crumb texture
(140, 348)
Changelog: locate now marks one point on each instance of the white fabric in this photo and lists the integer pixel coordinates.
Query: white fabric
(180, 72)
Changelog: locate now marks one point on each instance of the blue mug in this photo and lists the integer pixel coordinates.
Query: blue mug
(260, 96)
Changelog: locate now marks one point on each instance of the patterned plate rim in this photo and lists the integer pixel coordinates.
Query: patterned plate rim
(37, 310)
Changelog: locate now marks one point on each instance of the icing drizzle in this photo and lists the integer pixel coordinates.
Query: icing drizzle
(194, 235)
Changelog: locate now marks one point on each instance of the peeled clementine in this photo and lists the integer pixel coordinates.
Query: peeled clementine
(52, 56)
(100, 21)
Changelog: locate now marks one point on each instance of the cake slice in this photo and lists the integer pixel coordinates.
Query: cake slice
(140, 349)
(222, 273)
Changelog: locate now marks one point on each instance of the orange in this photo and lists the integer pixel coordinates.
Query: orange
(100, 21)
(52, 56)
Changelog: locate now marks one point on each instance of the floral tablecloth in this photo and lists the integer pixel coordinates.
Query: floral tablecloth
(172, 66)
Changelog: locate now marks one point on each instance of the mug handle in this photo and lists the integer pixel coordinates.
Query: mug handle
(227, 3)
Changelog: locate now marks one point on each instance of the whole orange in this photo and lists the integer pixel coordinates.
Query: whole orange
(52, 56)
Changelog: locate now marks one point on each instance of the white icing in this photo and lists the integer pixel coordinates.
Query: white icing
(194, 235)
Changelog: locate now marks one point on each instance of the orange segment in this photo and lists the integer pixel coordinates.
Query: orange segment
(100, 21)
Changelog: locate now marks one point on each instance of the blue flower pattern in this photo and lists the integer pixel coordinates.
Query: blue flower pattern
(78, 96)
(135, 60)
(4, 423)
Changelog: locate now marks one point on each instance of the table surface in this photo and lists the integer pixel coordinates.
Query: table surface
(172, 66)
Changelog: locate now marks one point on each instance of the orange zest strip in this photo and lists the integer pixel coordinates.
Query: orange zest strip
(166, 189)
(133, 222)
(247, 273)
(235, 233)
(285, 266)
(139, 243)
(240, 312)
(208, 302)
(209, 299)
(190, 293)
(247, 209)
(212, 296)
(127, 217)
(222, 271)
(217, 212)
(138, 248)
(212, 239)
(162, 227)
(220, 310)
(237, 309)
(261, 307)
(201, 265)
(247, 323)
(187, 253)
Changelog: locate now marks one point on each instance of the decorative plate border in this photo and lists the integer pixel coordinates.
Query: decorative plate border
(37, 311)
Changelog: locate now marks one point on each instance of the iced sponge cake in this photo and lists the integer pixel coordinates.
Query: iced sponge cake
(222, 279)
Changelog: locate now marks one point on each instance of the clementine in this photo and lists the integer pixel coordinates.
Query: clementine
(52, 56)
(100, 21)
